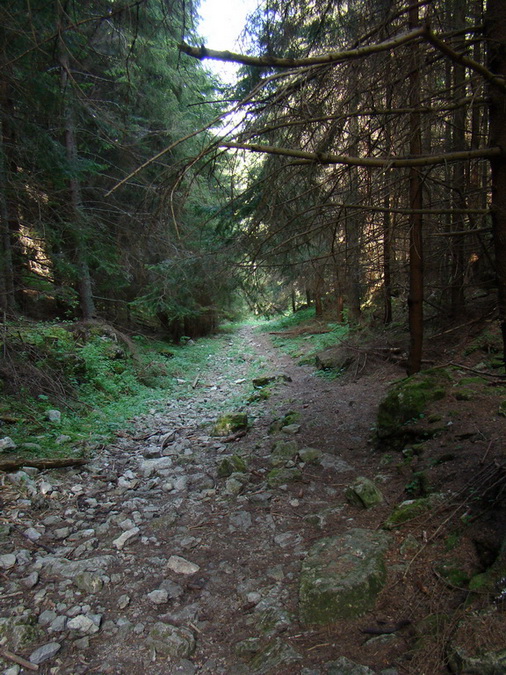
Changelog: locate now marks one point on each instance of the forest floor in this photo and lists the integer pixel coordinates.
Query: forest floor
(147, 533)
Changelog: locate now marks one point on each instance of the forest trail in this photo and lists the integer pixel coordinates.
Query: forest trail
(148, 536)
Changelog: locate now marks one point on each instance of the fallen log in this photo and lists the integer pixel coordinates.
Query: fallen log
(15, 463)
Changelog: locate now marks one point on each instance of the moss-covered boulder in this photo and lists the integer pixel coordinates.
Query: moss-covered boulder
(283, 452)
(405, 404)
(334, 358)
(290, 417)
(281, 476)
(363, 493)
(170, 640)
(342, 576)
(20, 632)
(411, 508)
(310, 455)
(230, 423)
(232, 464)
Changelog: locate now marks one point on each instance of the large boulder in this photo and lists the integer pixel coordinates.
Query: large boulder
(342, 576)
(363, 493)
(400, 413)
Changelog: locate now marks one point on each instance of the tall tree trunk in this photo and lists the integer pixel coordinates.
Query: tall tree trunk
(458, 221)
(495, 32)
(84, 285)
(415, 299)
(6, 266)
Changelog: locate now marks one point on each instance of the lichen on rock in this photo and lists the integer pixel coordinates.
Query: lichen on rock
(342, 576)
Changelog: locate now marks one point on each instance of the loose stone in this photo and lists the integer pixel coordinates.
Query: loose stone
(45, 652)
(181, 566)
(158, 597)
(126, 538)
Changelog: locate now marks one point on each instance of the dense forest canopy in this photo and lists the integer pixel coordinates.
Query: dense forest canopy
(362, 170)
(381, 128)
(88, 93)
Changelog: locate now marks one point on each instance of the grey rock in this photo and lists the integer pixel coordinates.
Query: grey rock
(158, 596)
(69, 569)
(342, 576)
(170, 640)
(150, 466)
(7, 561)
(240, 521)
(53, 416)
(90, 582)
(173, 590)
(343, 666)
(335, 463)
(44, 653)
(46, 617)
(126, 538)
(13, 670)
(84, 624)
(62, 532)
(291, 429)
(123, 601)
(82, 643)
(234, 485)
(6, 444)
(31, 580)
(181, 566)
(59, 624)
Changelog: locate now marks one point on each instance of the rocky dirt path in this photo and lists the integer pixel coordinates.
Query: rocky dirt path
(154, 559)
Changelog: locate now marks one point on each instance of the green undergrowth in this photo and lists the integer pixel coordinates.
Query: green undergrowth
(305, 336)
(96, 377)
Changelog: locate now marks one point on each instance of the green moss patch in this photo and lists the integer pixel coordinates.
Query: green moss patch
(230, 423)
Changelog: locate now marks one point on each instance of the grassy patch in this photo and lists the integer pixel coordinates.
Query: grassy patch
(304, 336)
(95, 377)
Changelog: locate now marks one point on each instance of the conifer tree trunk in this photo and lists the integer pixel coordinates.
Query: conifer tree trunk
(6, 266)
(458, 221)
(84, 286)
(495, 32)
(415, 299)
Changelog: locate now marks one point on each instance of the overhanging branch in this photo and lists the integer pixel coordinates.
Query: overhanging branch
(324, 59)
(378, 162)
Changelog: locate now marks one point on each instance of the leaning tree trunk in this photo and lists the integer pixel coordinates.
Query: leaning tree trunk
(495, 32)
(415, 299)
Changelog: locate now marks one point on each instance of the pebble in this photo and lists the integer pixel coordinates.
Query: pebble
(84, 623)
(126, 538)
(158, 597)
(181, 566)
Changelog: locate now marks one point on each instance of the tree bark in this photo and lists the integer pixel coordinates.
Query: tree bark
(495, 33)
(84, 286)
(415, 298)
